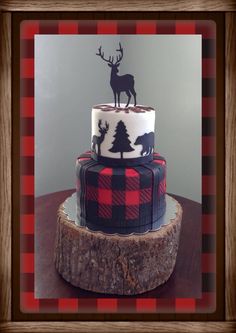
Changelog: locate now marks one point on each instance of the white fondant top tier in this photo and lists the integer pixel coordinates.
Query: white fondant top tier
(123, 133)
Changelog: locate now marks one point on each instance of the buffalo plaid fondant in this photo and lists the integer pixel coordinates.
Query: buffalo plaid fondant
(131, 198)
(162, 187)
(121, 197)
(104, 196)
(92, 193)
(104, 211)
(104, 180)
(145, 195)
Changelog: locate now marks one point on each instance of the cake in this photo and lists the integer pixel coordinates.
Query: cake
(124, 235)
(121, 182)
(119, 233)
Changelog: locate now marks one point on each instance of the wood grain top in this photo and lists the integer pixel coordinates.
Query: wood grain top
(5, 167)
(121, 326)
(230, 189)
(117, 5)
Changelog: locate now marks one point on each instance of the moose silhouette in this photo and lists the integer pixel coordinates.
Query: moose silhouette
(147, 141)
(97, 140)
(119, 83)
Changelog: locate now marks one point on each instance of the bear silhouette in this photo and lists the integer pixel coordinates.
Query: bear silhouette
(147, 141)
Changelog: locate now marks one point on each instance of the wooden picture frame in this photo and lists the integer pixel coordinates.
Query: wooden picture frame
(7, 298)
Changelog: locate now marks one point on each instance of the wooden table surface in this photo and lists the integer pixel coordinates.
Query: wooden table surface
(185, 280)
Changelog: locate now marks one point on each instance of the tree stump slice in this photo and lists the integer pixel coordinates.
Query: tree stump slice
(116, 264)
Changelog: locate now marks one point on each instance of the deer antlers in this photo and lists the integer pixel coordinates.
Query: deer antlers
(101, 54)
(119, 58)
(103, 128)
(111, 58)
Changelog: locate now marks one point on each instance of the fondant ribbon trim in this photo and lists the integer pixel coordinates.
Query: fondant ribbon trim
(115, 162)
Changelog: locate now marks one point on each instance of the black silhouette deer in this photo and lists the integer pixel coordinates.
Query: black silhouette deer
(97, 140)
(122, 82)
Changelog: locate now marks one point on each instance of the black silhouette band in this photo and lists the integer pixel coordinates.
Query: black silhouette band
(122, 162)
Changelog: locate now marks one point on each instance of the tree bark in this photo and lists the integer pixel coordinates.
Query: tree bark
(115, 264)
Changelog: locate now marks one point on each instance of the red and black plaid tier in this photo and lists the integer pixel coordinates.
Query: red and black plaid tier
(120, 199)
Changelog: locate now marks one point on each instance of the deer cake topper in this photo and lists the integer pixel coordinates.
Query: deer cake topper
(119, 83)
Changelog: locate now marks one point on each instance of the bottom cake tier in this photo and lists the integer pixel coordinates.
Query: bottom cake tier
(120, 199)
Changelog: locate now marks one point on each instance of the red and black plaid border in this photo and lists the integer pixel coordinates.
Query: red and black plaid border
(206, 303)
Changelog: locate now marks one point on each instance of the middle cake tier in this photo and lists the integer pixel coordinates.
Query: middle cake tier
(120, 198)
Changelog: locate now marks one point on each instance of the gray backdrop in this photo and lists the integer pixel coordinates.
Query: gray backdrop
(70, 79)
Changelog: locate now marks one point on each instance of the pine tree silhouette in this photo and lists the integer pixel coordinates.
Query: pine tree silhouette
(121, 143)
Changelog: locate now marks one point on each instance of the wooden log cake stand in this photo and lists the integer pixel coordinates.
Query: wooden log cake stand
(114, 264)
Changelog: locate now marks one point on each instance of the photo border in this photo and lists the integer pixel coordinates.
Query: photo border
(228, 164)
(28, 302)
